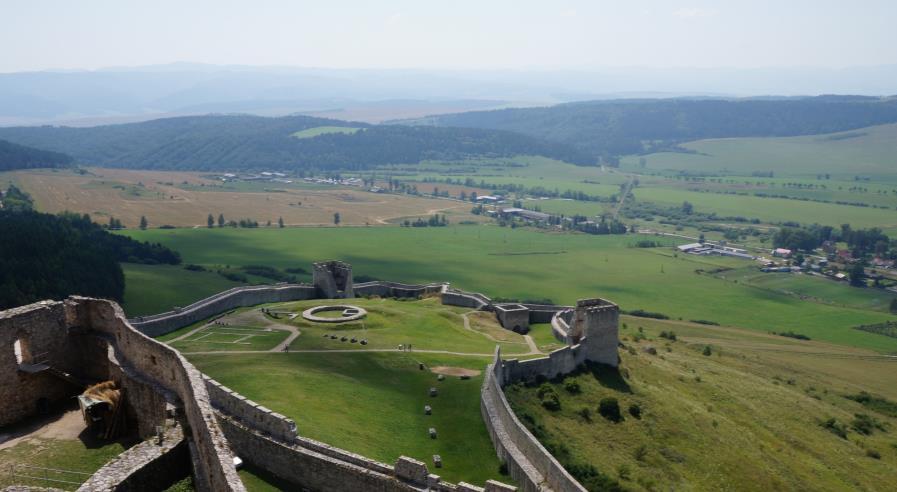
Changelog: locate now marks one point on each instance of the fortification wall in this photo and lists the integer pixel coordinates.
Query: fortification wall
(471, 300)
(167, 322)
(395, 289)
(164, 367)
(529, 463)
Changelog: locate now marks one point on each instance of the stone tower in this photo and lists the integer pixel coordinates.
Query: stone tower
(597, 321)
(333, 279)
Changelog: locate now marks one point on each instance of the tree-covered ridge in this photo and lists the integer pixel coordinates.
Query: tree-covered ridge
(45, 256)
(633, 126)
(14, 156)
(242, 142)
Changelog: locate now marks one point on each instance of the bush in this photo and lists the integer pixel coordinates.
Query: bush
(669, 335)
(585, 413)
(572, 386)
(609, 408)
(551, 402)
(707, 350)
(640, 453)
(641, 313)
(705, 322)
(194, 268)
(873, 454)
(835, 428)
(635, 410)
(866, 424)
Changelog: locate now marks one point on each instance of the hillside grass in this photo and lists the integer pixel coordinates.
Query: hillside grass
(868, 151)
(371, 404)
(523, 264)
(749, 416)
(324, 130)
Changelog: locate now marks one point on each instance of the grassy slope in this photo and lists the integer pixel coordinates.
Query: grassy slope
(158, 288)
(870, 154)
(322, 130)
(747, 417)
(487, 259)
(371, 404)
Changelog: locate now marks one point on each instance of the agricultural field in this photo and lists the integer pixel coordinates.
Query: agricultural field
(184, 199)
(864, 152)
(752, 408)
(526, 264)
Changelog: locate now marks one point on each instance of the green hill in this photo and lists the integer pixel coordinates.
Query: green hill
(14, 156)
(217, 142)
(620, 127)
(864, 152)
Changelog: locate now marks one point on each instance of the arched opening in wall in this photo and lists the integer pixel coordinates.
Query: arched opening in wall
(21, 350)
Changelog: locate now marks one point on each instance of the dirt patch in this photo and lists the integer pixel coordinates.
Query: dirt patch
(454, 371)
(66, 426)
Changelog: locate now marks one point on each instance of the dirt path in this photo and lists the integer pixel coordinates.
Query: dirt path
(533, 348)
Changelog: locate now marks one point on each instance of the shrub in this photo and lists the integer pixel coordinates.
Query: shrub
(635, 410)
(876, 403)
(866, 424)
(194, 268)
(873, 454)
(592, 479)
(609, 408)
(835, 428)
(641, 313)
(551, 402)
(572, 386)
(707, 350)
(640, 453)
(585, 413)
(669, 335)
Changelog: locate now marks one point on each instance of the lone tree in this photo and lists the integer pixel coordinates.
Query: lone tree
(336, 218)
(280, 222)
(858, 275)
(221, 220)
(210, 221)
(143, 223)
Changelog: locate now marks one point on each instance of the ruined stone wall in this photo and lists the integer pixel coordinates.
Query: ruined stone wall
(333, 279)
(395, 289)
(166, 368)
(42, 334)
(529, 463)
(514, 317)
(167, 322)
(471, 300)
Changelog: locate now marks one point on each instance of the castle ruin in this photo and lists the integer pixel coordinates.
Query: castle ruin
(193, 425)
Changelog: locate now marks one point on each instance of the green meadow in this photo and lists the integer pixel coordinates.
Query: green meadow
(865, 152)
(511, 263)
(323, 130)
(372, 404)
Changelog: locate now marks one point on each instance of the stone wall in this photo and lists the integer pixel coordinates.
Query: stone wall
(164, 367)
(471, 300)
(529, 463)
(514, 317)
(167, 322)
(40, 332)
(398, 290)
(147, 467)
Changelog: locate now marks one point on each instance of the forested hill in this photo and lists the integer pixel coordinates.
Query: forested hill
(45, 256)
(13, 156)
(218, 142)
(633, 126)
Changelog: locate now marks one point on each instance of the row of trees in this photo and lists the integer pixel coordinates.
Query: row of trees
(861, 242)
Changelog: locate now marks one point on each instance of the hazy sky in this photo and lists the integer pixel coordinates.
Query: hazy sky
(44, 34)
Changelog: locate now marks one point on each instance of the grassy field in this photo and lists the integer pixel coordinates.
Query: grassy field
(371, 403)
(866, 152)
(186, 199)
(159, 288)
(323, 130)
(524, 264)
(746, 417)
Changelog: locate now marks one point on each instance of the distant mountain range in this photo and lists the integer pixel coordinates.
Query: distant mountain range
(129, 94)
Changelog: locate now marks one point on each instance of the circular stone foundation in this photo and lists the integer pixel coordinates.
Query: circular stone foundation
(349, 313)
